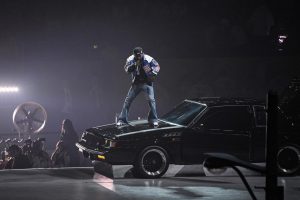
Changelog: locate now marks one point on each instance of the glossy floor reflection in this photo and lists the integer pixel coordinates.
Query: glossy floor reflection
(83, 183)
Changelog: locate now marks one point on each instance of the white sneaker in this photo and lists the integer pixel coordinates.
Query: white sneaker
(155, 123)
(120, 123)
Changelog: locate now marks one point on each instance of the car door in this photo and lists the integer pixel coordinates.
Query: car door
(258, 139)
(224, 129)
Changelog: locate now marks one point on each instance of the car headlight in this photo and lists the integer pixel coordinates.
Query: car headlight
(83, 135)
(110, 143)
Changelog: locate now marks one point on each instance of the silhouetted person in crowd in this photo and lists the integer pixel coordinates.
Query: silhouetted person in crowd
(69, 138)
(17, 159)
(60, 157)
(143, 69)
(40, 158)
(27, 147)
(3, 160)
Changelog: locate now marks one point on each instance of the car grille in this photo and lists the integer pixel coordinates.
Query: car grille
(92, 140)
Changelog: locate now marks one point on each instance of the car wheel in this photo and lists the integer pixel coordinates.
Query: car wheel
(208, 171)
(152, 162)
(288, 160)
(214, 171)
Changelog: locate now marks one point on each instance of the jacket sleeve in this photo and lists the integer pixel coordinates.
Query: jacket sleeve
(129, 66)
(154, 66)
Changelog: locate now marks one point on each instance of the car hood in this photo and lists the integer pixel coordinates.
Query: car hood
(111, 130)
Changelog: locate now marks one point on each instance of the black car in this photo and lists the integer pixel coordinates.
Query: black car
(194, 127)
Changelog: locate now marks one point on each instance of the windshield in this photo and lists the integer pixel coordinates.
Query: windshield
(184, 113)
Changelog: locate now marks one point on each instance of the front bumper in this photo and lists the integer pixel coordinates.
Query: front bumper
(88, 150)
(111, 156)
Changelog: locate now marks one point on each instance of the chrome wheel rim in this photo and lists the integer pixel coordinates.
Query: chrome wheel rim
(154, 162)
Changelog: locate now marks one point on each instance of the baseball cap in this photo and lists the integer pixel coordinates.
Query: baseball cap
(137, 51)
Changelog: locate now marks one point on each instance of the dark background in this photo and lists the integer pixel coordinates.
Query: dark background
(69, 55)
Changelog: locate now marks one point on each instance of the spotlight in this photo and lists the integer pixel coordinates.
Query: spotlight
(281, 38)
(281, 41)
(7, 89)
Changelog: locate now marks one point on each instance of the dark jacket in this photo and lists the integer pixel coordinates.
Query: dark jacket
(147, 61)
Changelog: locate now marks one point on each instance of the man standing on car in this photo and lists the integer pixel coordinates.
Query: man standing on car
(143, 69)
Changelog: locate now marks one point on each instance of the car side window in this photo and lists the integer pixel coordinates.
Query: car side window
(260, 115)
(227, 118)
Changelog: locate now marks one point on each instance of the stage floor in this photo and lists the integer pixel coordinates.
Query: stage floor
(84, 183)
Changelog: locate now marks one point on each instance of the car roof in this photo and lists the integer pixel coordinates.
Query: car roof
(219, 101)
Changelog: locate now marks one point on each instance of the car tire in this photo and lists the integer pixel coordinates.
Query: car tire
(208, 171)
(214, 171)
(152, 162)
(288, 162)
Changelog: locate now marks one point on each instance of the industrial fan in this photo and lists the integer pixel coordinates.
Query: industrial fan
(29, 118)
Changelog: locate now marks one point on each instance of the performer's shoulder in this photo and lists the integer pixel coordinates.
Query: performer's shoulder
(130, 58)
(148, 58)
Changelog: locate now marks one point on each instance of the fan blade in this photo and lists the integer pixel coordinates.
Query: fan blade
(21, 121)
(24, 111)
(37, 120)
(35, 110)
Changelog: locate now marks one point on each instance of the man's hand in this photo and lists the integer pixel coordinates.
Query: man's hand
(130, 67)
(147, 68)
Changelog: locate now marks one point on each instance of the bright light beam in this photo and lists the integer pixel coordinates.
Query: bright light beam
(7, 89)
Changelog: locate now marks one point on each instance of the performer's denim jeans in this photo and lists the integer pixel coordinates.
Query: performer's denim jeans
(134, 90)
